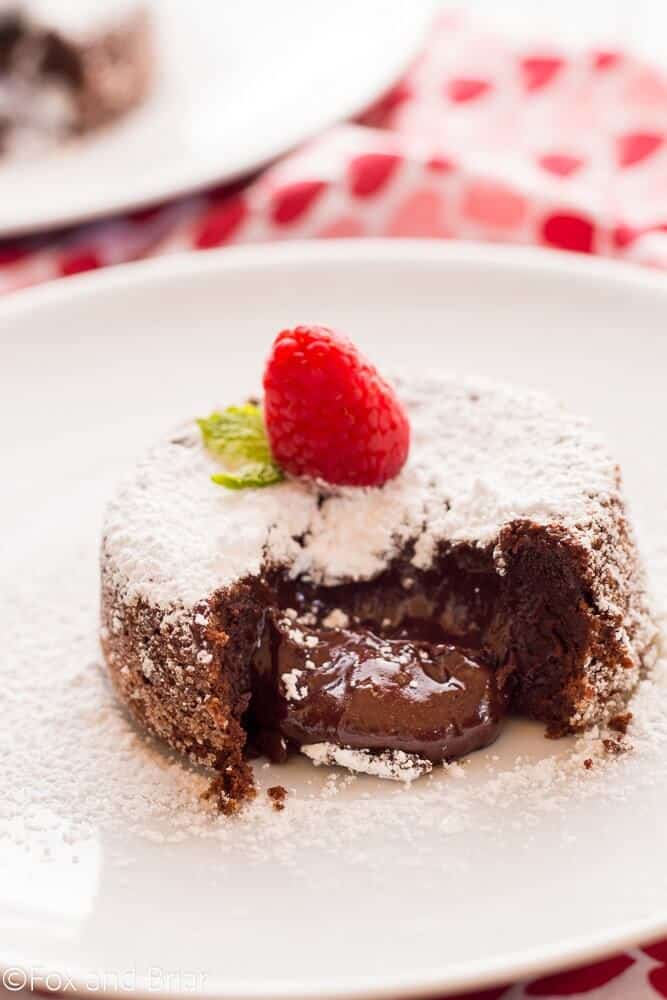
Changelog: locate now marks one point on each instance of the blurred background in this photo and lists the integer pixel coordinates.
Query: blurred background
(146, 127)
(639, 25)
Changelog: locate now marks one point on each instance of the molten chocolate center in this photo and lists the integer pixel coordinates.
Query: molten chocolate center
(406, 662)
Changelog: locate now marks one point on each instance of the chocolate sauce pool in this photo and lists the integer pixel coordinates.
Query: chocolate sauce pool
(406, 662)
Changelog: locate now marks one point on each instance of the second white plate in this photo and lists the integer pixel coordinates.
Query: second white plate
(238, 84)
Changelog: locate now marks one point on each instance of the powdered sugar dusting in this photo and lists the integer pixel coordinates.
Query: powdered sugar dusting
(293, 690)
(482, 455)
(395, 765)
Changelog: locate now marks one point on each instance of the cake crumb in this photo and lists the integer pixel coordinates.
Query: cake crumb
(277, 794)
(231, 787)
(615, 747)
(620, 722)
(588, 763)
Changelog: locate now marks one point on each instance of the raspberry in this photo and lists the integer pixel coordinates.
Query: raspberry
(329, 414)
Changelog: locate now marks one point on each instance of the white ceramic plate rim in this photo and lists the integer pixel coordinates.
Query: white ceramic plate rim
(464, 978)
(316, 254)
(369, 83)
(152, 275)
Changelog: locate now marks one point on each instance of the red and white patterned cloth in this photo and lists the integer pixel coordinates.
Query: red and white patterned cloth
(481, 140)
(637, 975)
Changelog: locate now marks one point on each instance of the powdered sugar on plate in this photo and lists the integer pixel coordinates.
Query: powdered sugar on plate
(74, 769)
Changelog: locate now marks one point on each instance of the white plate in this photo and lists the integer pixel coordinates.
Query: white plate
(375, 891)
(239, 83)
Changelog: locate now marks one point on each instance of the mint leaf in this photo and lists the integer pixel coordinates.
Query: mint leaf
(237, 433)
(252, 475)
(237, 437)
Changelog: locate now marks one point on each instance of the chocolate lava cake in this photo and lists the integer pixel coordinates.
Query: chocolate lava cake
(68, 66)
(387, 628)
